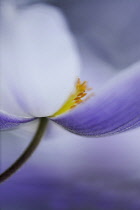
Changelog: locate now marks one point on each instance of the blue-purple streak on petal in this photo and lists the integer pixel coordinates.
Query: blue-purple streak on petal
(97, 191)
(8, 122)
(115, 109)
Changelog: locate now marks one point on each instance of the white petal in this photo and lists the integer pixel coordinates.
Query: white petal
(39, 62)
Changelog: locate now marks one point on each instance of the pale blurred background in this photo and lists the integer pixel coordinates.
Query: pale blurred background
(69, 172)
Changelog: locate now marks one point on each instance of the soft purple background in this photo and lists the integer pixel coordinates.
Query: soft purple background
(69, 171)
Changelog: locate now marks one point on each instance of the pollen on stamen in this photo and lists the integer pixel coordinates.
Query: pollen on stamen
(80, 93)
(72, 106)
(79, 96)
(84, 94)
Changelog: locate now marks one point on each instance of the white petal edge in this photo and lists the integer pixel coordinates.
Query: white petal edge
(39, 63)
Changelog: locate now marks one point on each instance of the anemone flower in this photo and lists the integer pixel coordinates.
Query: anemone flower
(33, 86)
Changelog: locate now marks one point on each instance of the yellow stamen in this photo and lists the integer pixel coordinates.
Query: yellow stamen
(72, 106)
(80, 94)
(76, 98)
(84, 94)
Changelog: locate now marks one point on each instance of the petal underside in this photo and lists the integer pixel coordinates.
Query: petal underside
(115, 109)
(9, 122)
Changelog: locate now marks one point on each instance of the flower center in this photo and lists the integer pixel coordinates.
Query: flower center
(79, 96)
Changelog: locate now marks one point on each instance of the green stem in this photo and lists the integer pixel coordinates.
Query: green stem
(28, 152)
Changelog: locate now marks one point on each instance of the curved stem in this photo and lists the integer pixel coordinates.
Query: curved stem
(28, 152)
